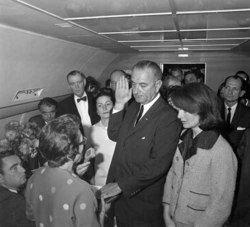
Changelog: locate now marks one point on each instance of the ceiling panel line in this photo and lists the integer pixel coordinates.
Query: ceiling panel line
(181, 30)
(119, 16)
(186, 45)
(60, 18)
(174, 40)
(213, 11)
(171, 50)
(135, 32)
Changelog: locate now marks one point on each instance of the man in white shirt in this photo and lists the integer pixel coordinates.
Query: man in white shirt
(147, 134)
(236, 115)
(80, 102)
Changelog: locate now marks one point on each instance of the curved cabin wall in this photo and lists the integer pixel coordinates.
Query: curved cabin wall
(29, 60)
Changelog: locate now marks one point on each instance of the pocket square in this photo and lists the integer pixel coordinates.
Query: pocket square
(241, 128)
(143, 138)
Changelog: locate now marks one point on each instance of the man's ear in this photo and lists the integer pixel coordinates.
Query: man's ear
(158, 84)
(84, 83)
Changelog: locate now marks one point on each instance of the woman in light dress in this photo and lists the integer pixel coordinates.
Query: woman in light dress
(99, 138)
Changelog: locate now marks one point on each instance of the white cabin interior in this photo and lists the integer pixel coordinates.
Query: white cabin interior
(41, 41)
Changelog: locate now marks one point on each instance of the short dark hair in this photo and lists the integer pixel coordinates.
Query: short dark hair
(106, 92)
(59, 139)
(235, 77)
(47, 101)
(74, 73)
(176, 69)
(5, 151)
(194, 72)
(197, 98)
(243, 72)
(145, 64)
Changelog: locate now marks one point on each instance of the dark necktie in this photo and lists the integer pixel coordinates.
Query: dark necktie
(82, 99)
(228, 115)
(139, 114)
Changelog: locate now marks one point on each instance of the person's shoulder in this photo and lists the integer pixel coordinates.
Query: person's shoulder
(35, 118)
(244, 107)
(166, 108)
(6, 195)
(222, 148)
(67, 99)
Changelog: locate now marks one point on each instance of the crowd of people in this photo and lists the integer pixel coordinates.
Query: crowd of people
(146, 150)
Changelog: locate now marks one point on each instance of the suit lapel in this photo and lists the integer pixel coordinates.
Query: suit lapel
(237, 115)
(146, 117)
(73, 106)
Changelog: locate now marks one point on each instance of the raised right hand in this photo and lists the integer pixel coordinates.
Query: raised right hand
(122, 93)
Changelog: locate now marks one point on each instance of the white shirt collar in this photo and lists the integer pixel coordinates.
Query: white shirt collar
(148, 105)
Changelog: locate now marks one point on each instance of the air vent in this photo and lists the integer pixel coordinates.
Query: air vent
(28, 94)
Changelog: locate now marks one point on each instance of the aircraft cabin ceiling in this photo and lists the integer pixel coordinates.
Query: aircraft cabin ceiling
(136, 25)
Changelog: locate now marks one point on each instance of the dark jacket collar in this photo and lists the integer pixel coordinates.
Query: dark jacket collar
(204, 140)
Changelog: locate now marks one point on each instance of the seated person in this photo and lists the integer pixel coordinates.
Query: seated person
(55, 196)
(47, 106)
(12, 178)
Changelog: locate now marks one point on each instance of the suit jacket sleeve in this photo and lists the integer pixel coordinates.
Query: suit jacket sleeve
(159, 152)
(114, 126)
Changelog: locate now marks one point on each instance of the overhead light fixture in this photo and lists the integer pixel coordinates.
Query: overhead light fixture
(183, 55)
(183, 48)
(64, 25)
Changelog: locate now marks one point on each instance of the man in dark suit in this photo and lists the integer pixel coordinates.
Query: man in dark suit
(241, 209)
(12, 178)
(47, 107)
(80, 102)
(236, 115)
(146, 142)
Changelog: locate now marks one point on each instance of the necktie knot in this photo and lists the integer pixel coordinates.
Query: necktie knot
(82, 99)
(139, 114)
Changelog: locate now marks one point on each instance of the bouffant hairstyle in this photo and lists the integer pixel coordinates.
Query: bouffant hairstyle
(59, 140)
(197, 98)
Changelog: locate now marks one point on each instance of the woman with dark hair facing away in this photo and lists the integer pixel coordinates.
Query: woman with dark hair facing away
(200, 184)
(55, 196)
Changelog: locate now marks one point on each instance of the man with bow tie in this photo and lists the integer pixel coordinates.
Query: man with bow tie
(80, 103)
